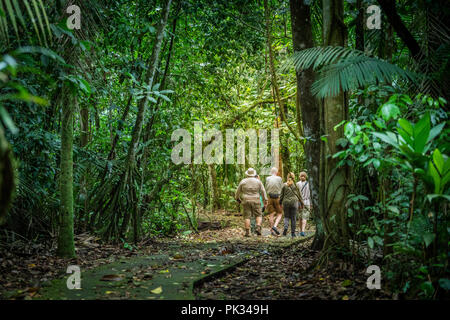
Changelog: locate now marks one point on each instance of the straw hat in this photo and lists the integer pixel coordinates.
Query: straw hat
(250, 172)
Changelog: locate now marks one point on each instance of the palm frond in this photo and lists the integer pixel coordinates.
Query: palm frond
(343, 69)
(354, 72)
(18, 15)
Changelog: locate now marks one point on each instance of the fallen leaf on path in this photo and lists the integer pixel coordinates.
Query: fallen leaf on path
(346, 283)
(300, 283)
(157, 290)
(111, 277)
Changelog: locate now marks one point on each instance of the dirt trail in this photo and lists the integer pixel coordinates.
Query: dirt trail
(165, 268)
(170, 274)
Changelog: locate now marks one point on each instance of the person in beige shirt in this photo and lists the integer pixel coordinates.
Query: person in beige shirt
(274, 184)
(248, 193)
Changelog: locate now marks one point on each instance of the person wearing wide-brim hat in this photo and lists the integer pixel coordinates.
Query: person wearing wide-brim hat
(248, 193)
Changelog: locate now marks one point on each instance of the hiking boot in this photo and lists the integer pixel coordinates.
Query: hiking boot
(284, 232)
(302, 234)
(258, 230)
(276, 231)
(293, 235)
(247, 233)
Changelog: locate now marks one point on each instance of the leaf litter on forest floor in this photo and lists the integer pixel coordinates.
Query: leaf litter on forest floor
(40, 263)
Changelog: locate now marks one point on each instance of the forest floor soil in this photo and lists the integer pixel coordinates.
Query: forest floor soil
(218, 262)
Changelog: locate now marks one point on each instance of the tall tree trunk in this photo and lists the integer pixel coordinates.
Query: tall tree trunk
(143, 103)
(335, 110)
(84, 140)
(215, 202)
(390, 10)
(359, 27)
(149, 126)
(7, 178)
(128, 178)
(84, 123)
(302, 38)
(66, 246)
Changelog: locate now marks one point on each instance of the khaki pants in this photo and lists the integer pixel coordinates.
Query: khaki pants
(252, 209)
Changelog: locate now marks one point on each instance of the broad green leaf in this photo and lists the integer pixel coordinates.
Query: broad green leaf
(388, 137)
(370, 242)
(438, 161)
(435, 131)
(49, 53)
(355, 139)
(421, 133)
(9, 123)
(406, 125)
(430, 197)
(379, 124)
(444, 283)
(428, 238)
(407, 136)
(378, 240)
(376, 163)
(436, 177)
(349, 129)
(389, 111)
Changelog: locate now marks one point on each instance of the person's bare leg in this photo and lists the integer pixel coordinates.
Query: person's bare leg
(258, 225)
(278, 219)
(271, 219)
(247, 227)
(303, 225)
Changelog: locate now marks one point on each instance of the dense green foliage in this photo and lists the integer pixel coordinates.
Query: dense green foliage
(229, 65)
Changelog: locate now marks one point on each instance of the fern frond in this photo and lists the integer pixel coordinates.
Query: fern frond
(343, 69)
(354, 72)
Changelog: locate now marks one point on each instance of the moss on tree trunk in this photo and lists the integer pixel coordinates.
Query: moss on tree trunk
(66, 247)
(335, 110)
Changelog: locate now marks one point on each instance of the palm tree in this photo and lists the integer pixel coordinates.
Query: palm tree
(343, 69)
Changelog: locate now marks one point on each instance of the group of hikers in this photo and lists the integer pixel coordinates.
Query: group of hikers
(291, 197)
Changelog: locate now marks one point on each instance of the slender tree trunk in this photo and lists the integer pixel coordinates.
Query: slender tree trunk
(84, 140)
(335, 110)
(66, 246)
(302, 38)
(148, 128)
(276, 89)
(7, 176)
(84, 123)
(215, 203)
(390, 10)
(128, 178)
(359, 27)
(143, 104)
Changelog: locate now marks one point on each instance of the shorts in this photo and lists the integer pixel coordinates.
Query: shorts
(305, 213)
(252, 209)
(274, 206)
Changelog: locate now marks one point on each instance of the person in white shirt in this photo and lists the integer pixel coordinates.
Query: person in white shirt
(305, 210)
